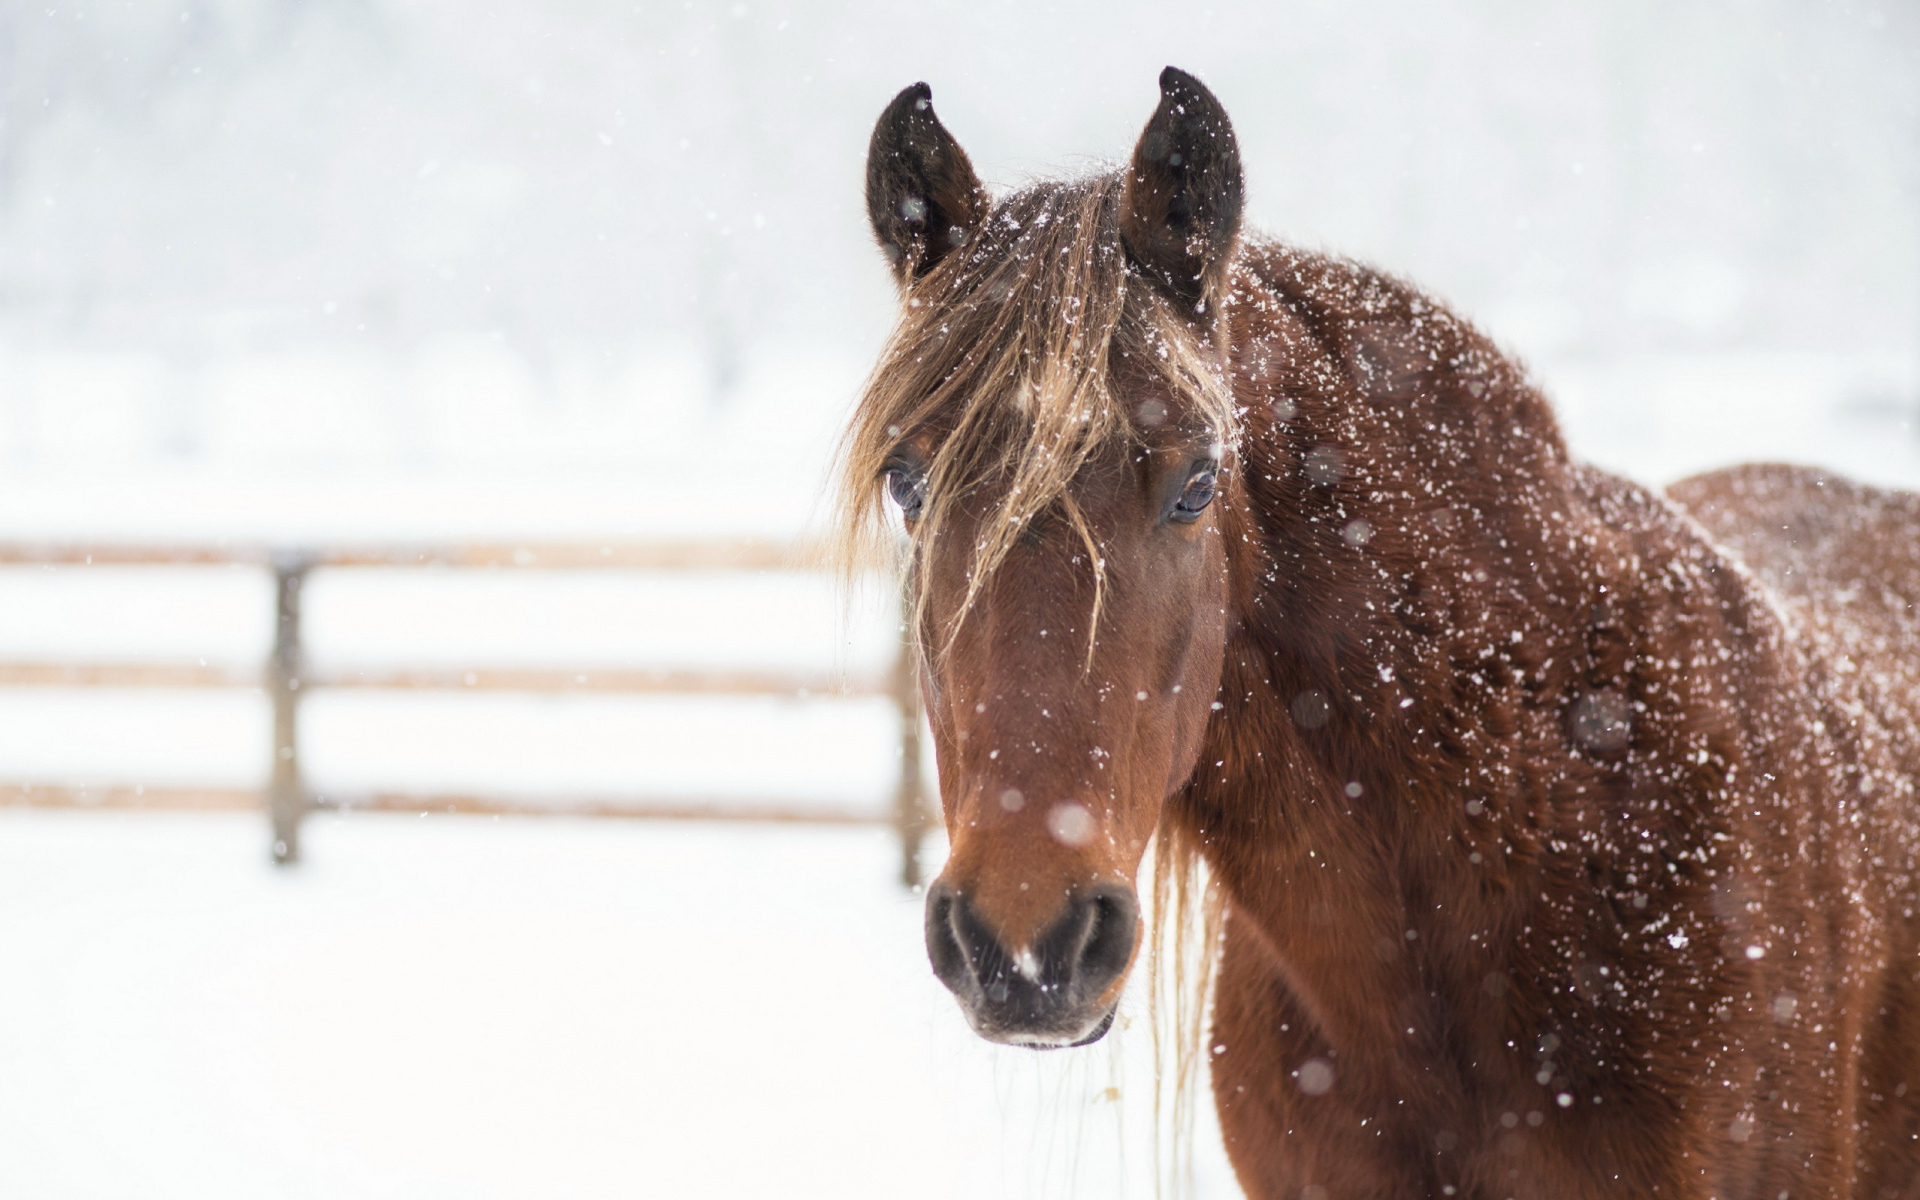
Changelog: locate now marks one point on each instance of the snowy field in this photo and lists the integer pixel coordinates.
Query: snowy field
(468, 1008)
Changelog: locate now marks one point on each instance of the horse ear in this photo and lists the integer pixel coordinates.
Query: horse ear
(922, 195)
(1183, 200)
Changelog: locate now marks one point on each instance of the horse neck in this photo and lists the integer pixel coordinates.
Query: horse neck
(1399, 519)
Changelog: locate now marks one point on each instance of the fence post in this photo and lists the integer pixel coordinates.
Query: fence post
(909, 802)
(287, 799)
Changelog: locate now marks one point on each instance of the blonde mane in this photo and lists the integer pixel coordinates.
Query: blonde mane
(1003, 356)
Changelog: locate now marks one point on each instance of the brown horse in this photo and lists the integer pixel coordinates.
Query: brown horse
(1566, 833)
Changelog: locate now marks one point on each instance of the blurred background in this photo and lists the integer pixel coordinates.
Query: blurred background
(288, 273)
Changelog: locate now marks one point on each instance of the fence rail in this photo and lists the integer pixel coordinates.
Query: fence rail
(630, 681)
(287, 677)
(742, 554)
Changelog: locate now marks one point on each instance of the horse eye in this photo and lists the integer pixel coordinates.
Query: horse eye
(909, 490)
(1198, 495)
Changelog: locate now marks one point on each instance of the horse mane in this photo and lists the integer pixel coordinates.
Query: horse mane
(1003, 358)
(1183, 948)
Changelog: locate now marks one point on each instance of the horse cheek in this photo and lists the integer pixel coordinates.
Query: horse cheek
(1195, 671)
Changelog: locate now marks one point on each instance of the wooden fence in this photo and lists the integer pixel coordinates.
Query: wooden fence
(286, 677)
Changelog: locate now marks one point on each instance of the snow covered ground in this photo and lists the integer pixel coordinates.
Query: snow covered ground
(457, 1007)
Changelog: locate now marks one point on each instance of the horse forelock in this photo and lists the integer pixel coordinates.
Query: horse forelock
(1001, 367)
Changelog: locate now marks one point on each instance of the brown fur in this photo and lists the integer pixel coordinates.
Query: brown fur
(1567, 835)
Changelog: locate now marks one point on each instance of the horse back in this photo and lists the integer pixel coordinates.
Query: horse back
(1849, 551)
(1842, 561)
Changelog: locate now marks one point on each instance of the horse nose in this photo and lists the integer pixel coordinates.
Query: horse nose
(1048, 990)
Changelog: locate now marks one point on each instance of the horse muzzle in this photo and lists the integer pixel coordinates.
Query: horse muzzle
(1058, 991)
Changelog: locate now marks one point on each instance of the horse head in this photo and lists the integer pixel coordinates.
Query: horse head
(1052, 422)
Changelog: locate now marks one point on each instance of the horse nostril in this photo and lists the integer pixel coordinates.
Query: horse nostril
(1112, 925)
(943, 944)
